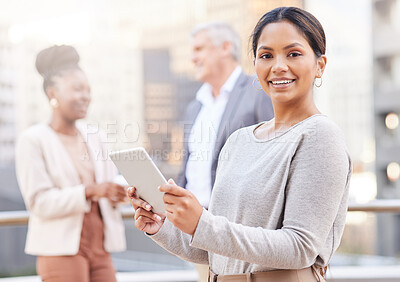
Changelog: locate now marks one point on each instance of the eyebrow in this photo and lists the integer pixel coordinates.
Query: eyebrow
(284, 48)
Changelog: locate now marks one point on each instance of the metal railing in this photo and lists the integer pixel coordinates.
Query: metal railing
(384, 273)
(21, 217)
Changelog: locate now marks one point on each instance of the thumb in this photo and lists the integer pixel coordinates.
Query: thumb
(171, 181)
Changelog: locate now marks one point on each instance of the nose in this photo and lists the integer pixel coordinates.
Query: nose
(280, 65)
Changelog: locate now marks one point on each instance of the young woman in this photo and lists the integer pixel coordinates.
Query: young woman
(279, 202)
(66, 181)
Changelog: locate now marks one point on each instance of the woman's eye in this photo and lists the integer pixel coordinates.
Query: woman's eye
(294, 54)
(265, 56)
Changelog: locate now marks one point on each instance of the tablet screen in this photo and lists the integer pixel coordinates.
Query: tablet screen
(139, 171)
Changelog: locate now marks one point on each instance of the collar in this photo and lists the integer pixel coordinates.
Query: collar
(204, 94)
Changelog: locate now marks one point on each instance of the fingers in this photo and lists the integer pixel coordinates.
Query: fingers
(145, 224)
(173, 189)
(121, 190)
(131, 192)
(137, 202)
(118, 189)
(170, 209)
(116, 193)
(170, 199)
(147, 214)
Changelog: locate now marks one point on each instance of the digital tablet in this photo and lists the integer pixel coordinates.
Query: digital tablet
(139, 171)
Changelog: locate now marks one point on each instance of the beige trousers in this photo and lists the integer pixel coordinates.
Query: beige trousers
(202, 271)
(301, 275)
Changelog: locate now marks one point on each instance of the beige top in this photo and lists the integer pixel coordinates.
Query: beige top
(77, 150)
(92, 236)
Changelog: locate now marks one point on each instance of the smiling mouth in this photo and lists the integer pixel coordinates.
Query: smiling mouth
(281, 82)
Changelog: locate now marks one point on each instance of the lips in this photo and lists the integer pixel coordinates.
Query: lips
(81, 107)
(282, 81)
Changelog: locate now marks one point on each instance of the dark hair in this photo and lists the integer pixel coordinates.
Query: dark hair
(53, 61)
(305, 22)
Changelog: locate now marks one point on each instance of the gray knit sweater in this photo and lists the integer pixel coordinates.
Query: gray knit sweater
(276, 204)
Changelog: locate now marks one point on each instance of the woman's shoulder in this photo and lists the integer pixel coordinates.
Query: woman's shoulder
(321, 134)
(36, 135)
(320, 126)
(244, 133)
(39, 130)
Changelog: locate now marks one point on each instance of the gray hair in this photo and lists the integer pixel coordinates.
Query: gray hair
(219, 33)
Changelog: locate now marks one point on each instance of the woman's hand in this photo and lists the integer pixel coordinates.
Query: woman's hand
(183, 209)
(145, 219)
(114, 192)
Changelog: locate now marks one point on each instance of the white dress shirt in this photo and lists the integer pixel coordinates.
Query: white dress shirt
(203, 136)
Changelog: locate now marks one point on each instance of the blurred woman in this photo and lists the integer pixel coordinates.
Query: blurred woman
(279, 202)
(66, 181)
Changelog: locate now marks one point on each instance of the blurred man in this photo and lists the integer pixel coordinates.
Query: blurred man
(225, 102)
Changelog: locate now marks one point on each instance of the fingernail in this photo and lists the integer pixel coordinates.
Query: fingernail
(148, 207)
(159, 187)
(158, 217)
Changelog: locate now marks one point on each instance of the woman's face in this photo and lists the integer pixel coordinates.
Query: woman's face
(285, 63)
(72, 92)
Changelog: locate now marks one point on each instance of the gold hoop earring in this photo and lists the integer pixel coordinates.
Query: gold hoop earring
(54, 103)
(254, 80)
(318, 85)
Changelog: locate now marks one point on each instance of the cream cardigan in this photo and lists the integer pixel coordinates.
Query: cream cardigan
(55, 197)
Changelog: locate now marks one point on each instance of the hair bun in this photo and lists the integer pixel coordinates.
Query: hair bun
(55, 58)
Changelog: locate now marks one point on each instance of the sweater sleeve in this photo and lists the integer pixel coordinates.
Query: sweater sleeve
(178, 243)
(40, 195)
(316, 192)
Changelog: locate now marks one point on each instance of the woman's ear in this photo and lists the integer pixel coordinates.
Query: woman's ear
(50, 92)
(321, 64)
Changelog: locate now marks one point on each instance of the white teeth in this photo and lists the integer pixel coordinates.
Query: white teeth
(281, 81)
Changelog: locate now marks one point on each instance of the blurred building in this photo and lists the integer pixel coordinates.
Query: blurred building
(115, 73)
(386, 55)
(7, 101)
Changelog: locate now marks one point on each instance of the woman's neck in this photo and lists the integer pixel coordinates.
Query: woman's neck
(288, 115)
(63, 126)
